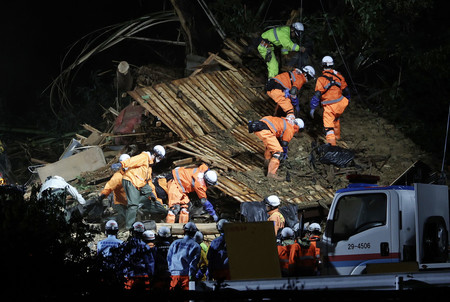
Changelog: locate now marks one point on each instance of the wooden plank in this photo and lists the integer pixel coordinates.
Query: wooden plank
(224, 100)
(71, 167)
(158, 110)
(207, 91)
(201, 104)
(208, 159)
(205, 63)
(224, 63)
(226, 92)
(190, 108)
(180, 116)
(177, 228)
(184, 111)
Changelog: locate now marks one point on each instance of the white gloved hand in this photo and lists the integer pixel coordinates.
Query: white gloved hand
(291, 119)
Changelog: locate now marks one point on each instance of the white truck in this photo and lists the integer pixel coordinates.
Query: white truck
(370, 227)
(382, 238)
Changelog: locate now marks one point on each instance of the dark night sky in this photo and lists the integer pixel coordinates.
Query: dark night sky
(36, 35)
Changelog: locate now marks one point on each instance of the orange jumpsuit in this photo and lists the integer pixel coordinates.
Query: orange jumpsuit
(277, 218)
(280, 130)
(138, 170)
(278, 84)
(115, 185)
(185, 180)
(333, 102)
(286, 255)
(305, 260)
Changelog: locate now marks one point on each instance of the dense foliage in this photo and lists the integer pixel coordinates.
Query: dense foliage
(393, 53)
(41, 254)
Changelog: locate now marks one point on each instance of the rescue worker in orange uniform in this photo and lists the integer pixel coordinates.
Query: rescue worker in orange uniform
(333, 94)
(272, 203)
(137, 183)
(276, 133)
(284, 89)
(185, 181)
(287, 250)
(306, 264)
(114, 185)
(313, 234)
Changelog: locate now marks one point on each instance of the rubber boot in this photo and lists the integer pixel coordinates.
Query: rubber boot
(275, 177)
(184, 216)
(170, 218)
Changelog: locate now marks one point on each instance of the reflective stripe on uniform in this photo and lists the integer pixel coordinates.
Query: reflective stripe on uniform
(332, 101)
(274, 128)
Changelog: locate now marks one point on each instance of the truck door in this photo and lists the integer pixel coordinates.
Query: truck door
(432, 224)
(358, 231)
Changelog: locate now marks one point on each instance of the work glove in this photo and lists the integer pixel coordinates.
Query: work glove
(283, 156)
(100, 198)
(311, 113)
(285, 149)
(290, 118)
(199, 275)
(116, 166)
(215, 218)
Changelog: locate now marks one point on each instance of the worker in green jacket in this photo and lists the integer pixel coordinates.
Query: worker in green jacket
(280, 37)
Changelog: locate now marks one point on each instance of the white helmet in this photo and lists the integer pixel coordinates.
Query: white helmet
(111, 225)
(272, 200)
(298, 28)
(327, 61)
(210, 177)
(123, 157)
(159, 153)
(148, 235)
(138, 227)
(299, 122)
(309, 71)
(314, 227)
(164, 231)
(287, 233)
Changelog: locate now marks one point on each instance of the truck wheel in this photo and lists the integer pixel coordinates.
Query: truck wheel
(435, 240)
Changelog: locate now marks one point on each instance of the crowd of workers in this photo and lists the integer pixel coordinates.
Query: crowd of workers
(148, 259)
(156, 260)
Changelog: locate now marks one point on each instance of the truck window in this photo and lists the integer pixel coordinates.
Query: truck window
(357, 213)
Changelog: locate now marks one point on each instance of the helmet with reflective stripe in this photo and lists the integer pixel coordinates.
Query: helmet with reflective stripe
(123, 157)
(148, 235)
(210, 177)
(111, 225)
(272, 200)
(309, 71)
(327, 61)
(287, 233)
(138, 227)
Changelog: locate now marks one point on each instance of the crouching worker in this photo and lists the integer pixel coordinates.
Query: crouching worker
(137, 183)
(56, 189)
(185, 181)
(276, 133)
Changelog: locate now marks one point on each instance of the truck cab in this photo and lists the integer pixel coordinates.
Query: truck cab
(369, 225)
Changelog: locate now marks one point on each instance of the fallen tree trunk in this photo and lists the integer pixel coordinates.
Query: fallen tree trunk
(177, 228)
